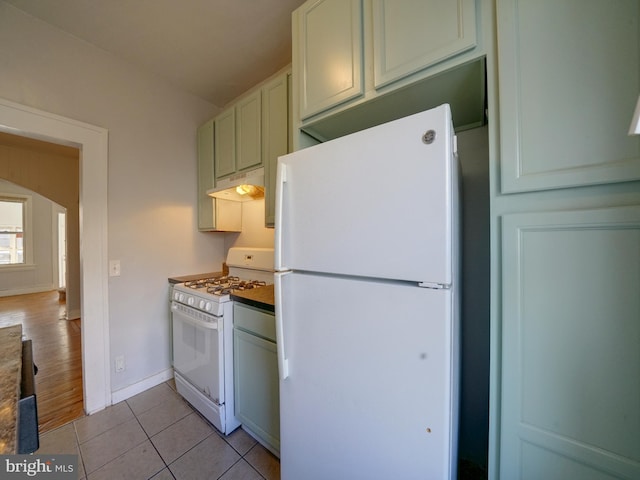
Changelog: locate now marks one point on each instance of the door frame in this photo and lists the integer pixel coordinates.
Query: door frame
(93, 144)
(60, 235)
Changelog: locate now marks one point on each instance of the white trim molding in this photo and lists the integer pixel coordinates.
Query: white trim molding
(93, 144)
(141, 386)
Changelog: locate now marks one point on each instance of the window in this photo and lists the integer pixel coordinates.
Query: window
(13, 228)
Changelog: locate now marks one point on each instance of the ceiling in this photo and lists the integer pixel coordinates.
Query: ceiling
(215, 49)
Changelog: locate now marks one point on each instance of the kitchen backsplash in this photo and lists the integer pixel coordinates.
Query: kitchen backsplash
(254, 233)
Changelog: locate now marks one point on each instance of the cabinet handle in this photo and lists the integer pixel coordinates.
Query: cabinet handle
(283, 361)
(281, 179)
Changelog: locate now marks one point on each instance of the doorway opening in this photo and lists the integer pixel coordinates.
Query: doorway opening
(33, 259)
(92, 142)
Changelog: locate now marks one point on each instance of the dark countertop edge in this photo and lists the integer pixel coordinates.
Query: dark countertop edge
(197, 276)
(254, 303)
(262, 297)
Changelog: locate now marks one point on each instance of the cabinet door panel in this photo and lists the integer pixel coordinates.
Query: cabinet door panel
(569, 76)
(331, 54)
(570, 336)
(225, 143)
(206, 178)
(248, 136)
(257, 403)
(275, 136)
(409, 35)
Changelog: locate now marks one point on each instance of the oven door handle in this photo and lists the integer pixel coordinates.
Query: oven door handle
(184, 316)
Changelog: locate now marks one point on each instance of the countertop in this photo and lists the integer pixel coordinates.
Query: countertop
(10, 375)
(261, 297)
(198, 276)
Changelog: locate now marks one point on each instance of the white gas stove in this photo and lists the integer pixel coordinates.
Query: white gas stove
(209, 294)
(202, 317)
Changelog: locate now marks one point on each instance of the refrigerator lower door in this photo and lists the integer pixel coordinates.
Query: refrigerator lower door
(371, 391)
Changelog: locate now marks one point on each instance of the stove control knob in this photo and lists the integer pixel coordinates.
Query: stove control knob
(179, 296)
(191, 301)
(207, 306)
(201, 304)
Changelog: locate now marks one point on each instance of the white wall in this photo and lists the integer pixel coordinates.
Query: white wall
(254, 233)
(152, 174)
(39, 277)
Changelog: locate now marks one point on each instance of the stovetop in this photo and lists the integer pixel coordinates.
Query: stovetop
(206, 294)
(248, 268)
(220, 286)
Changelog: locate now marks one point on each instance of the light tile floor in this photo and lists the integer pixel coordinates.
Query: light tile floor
(158, 435)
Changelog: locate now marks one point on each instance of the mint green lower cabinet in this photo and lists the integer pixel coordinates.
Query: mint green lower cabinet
(570, 383)
(256, 387)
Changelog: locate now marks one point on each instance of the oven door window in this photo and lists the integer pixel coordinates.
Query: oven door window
(198, 351)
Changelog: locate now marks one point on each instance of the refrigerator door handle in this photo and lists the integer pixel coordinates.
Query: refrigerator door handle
(281, 179)
(283, 361)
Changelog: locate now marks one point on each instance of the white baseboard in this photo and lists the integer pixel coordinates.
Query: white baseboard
(73, 314)
(141, 386)
(26, 290)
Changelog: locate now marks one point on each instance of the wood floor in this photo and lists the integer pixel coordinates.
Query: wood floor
(56, 351)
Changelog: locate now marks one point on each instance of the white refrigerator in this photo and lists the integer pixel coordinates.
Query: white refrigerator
(367, 291)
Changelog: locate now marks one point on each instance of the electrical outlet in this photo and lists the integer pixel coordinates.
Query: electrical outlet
(120, 366)
(114, 268)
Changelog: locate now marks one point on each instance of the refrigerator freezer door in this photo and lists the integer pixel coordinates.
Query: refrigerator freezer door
(377, 203)
(371, 387)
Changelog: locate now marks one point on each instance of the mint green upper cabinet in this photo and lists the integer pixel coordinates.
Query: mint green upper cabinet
(206, 178)
(275, 136)
(238, 136)
(360, 63)
(248, 146)
(213, 215)
(409, 35)
(330, 43)
(225, 143)
(569, 75)
(251, 133)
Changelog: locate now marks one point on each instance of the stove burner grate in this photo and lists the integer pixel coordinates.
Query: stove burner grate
(224, 285)
(234, 284)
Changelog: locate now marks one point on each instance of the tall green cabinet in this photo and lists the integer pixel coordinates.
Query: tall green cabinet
(566, 242)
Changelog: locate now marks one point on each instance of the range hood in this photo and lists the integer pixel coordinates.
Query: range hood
(240, 187)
